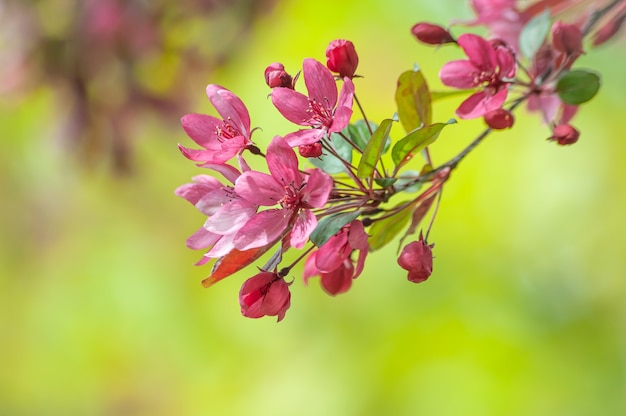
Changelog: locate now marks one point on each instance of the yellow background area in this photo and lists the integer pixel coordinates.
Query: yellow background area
(102, 311)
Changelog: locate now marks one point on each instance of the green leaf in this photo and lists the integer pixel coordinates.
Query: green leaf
(414, 142)
(328, 162)
(330, 225)
(374, 149)
(382, 232)
(534, 33)
(413, 100)
(385, 182)
(359, 133)
(578, 86)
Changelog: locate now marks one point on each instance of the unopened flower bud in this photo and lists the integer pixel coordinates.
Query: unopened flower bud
(609, 30)
(276, 76)
(567, 39)
(264, 294)
(431, 34)
(310, 150)
(564, 134)
(341, 57)
(499, 119)
(417, 259)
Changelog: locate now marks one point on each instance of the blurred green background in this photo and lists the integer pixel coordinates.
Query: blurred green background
(102, 311)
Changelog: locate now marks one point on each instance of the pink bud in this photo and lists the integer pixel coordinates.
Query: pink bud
(417, 258)
(276, 76)
(341, 57)
(567, 39)
(310, 150)
(264, 294)
(431, 34)
(499, 119)
(564, 134)
(609, 30)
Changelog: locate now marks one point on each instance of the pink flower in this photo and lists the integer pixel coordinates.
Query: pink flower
(417, 258)
(332, 260)
(564, 134)
(265, 294)
(295, 192)
(221, 139)
(226, 213)
(320, 110)
(490, 67)
(499, 119)
(431, 34)
(502, 18)
(341, 57)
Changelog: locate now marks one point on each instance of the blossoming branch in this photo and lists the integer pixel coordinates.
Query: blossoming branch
(335, 200)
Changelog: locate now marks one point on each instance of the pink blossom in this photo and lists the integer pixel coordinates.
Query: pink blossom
(332, 260)
(502, 18)
(265, 294)
(320, 110)
(226, 213)
(276, 76)
(490, 67)
(431, 34)
(294, 191)
(221, 139)
(417, 258)
(564, 134)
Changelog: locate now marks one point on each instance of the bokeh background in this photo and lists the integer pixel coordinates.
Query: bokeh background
(101, 308)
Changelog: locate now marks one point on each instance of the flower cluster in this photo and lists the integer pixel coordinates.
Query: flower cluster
(336, 198)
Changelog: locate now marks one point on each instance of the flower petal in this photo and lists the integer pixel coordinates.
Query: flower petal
(283, 163)
(459, 74)
(262, 229)
(302, 228)
(479, 51)
(317, 190)
(259, 188)
(231, 217)
(303, 137)
(332, 253)
(320, 82)
(202, 129)
(230, 107)
(338, 281)
(193, 192)
(202, 238)
(292, 105)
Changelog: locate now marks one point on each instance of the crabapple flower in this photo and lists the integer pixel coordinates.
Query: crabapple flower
(221, 139)
(265, 294)
(417, 258)
(332, 260)
(499, 119)
(567, 39)
(341, 57)
(501, 17)
(294, 191)
(490, 67)
(226, 213)
(322, 109)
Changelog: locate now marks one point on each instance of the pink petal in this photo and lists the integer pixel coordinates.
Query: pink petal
(302, 228)
(229, 172)
(292, 105)
(262, 229)
(283, 163)
(332, 253)
(231, 217)
(202, 185)
(202, 129)
(212, 201)
(259, 188)
(302, 137)
(480, 103)
(459, 74)
(230, 107)
(479, 51)
(317, 190)
(223, 246)
(506, 62)
(338, 281)
(320, 82)
(341, 119)
(346, 95)
(309, 268)
(202, 239)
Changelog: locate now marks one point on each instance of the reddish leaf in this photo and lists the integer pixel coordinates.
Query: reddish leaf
(232, 263)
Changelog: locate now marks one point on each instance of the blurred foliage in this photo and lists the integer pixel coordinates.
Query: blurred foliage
(102, 312)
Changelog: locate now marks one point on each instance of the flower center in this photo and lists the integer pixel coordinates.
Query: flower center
(320, 113)
(226, 131)
(293, 197)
